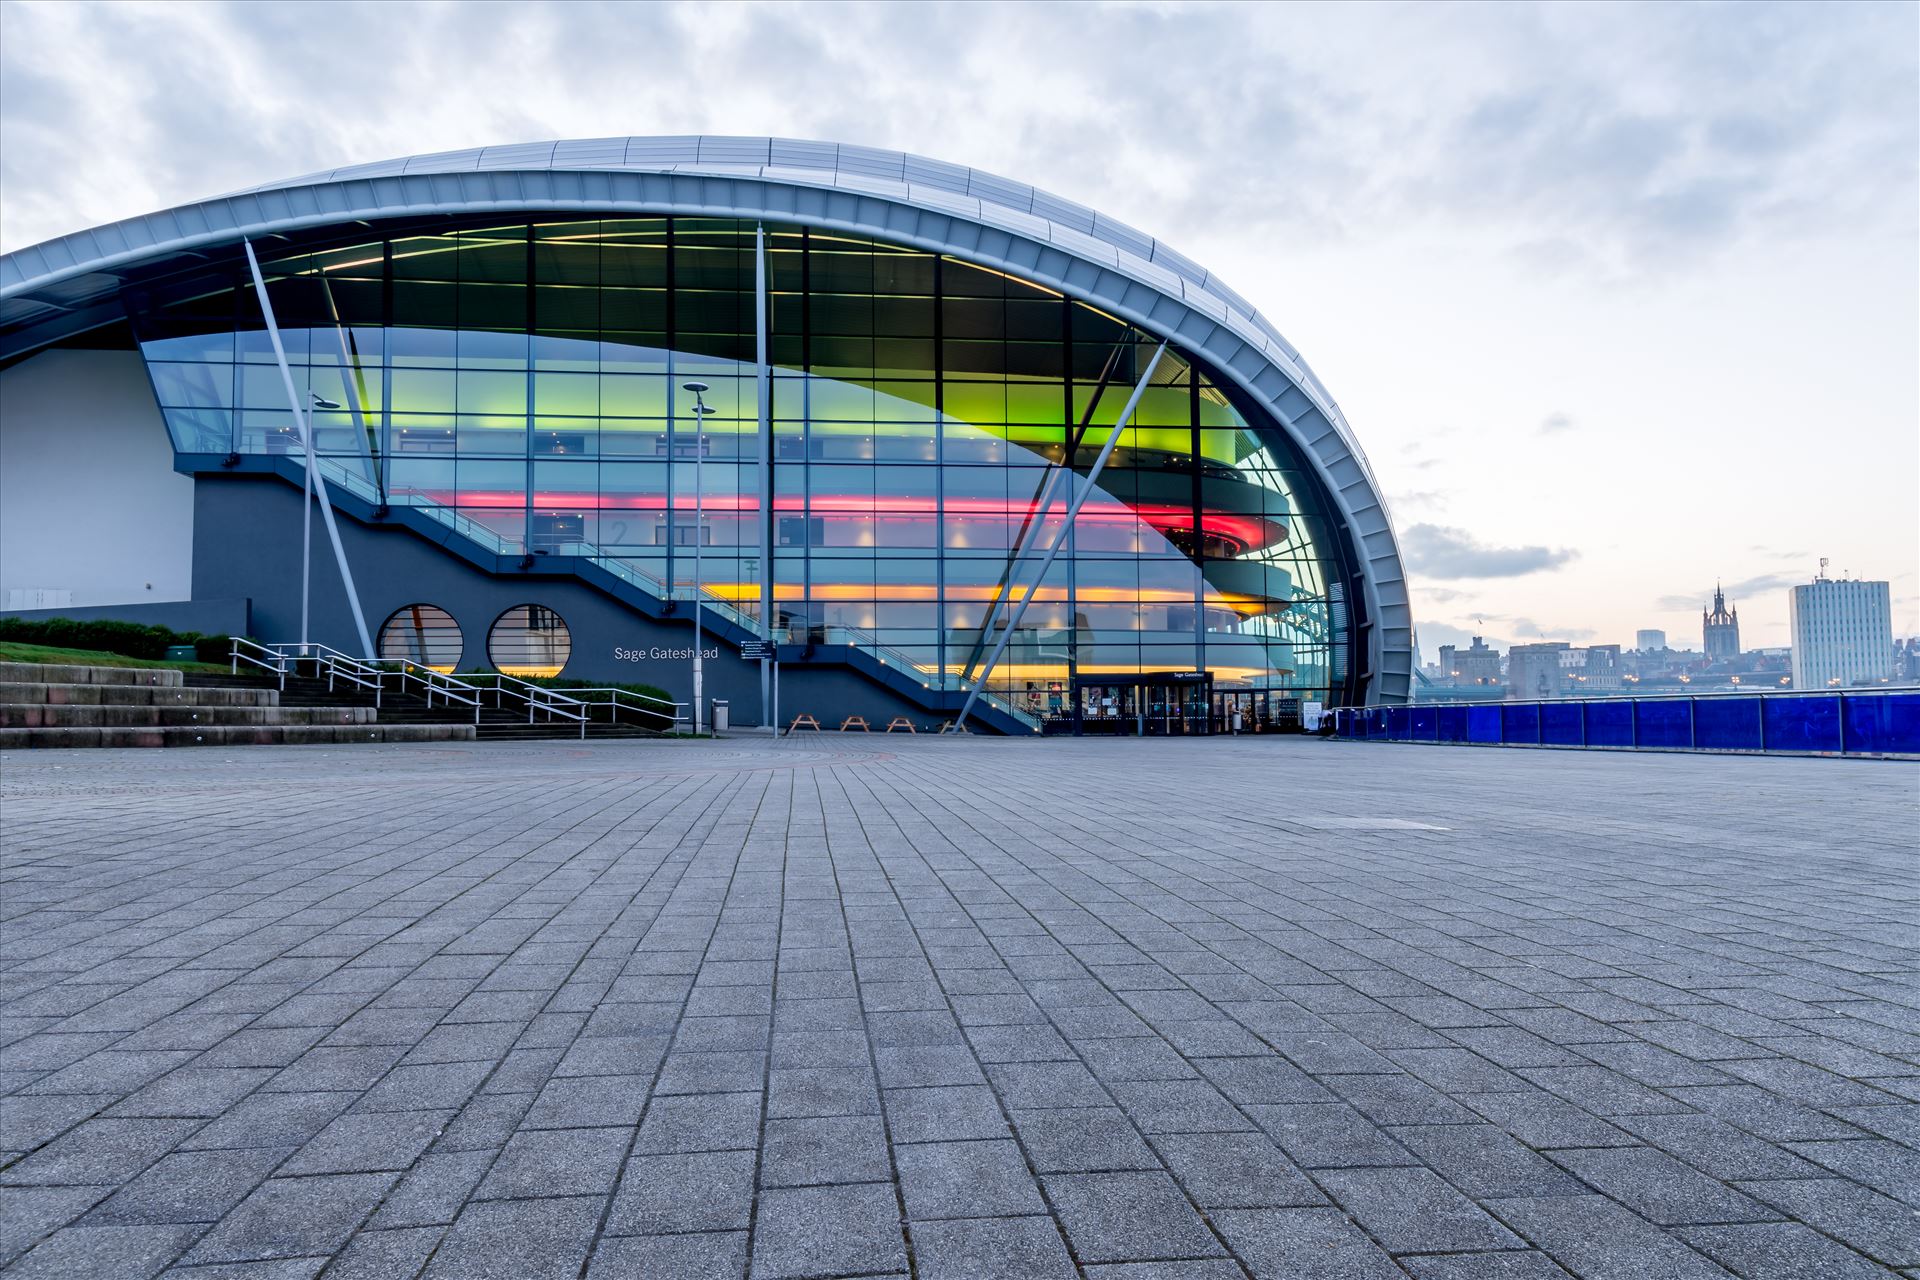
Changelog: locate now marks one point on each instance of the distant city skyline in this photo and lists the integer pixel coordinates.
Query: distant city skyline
(1621, 299)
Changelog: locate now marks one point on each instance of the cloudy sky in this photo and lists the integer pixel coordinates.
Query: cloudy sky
(1621, 300)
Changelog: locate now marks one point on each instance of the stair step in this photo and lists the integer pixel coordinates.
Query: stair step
(234, 735)
(15, 693)
(111, 716)
(64, 673)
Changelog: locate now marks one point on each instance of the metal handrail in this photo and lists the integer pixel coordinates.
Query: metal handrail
(536, 697)
(434, 681)
(337, 665)
(674, 713)
(278, 666)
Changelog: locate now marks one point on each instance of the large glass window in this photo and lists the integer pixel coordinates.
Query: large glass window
(932, 421)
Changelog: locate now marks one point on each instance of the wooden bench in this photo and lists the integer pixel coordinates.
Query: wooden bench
(901, 722)
(855, 722)
(804, 722)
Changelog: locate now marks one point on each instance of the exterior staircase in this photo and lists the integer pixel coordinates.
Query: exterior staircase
(78, 706)
(494, 723)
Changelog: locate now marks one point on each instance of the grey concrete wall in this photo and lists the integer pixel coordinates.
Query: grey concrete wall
(247, 543)
(89, 501)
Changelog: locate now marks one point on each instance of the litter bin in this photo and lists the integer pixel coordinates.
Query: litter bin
(722, 716)
(181, 653)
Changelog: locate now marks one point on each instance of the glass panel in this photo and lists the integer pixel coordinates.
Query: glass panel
(1609, 723)
(1883, 723)
(1727, 724)
(1802, 722)
(1520, 723)
(1663, 723)
(1560, 724)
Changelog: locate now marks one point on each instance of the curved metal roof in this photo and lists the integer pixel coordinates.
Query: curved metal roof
(894, 196)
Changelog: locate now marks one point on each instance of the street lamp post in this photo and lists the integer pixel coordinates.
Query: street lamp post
(700, 411)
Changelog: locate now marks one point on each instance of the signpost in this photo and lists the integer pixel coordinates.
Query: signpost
(762, 651)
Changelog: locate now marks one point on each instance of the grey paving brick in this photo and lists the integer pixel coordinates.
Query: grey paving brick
(1510, 1265)
(1887, 1167)
(1015, 1248)
(1660, 1188)
(98, 1151)
(813, 1231)
(434, 1189)
(293, 1218)
(557, 1162)
(1881, 1228)
(944, 1113)
(381, 1255)
(190, 1186)
(1082, 1140)
(714, 1255)
(703, 1191)
(819, 1150)
(1118, 1217)
(1484, 1161)
(1310, 1244)
(1759, 1250)
(28, 1213)
(1414, 1211)
(1236, 1170)
(966, 1180)
(1592, 1236)
(368, 1142)
(103, 1253)
(583, 1102)
(517, 1240)
(1331, 1135)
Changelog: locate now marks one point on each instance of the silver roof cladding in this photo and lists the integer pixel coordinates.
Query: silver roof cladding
(889, 194)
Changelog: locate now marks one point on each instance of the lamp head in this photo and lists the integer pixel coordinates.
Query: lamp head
(695, 387)
(321, 402)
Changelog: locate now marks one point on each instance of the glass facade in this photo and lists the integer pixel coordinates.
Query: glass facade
(521, 383)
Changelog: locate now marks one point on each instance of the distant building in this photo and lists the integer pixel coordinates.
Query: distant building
(1601, 669)
(1649, 641)
(1720, 629)
(1477, 664)
(1533, 670)
(1842, 631)
(1906, 659)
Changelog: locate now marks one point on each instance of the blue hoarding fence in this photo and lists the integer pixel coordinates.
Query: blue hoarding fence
(1878, 722)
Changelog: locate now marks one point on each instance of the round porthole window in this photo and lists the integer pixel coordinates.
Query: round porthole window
(529, 640)
(422, 633)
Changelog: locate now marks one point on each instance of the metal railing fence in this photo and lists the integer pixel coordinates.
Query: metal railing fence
(1849, 722)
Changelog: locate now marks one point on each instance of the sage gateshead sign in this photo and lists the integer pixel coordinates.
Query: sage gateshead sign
(978, 444)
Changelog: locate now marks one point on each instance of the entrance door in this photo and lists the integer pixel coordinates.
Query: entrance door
(1107, 708)
(1172, 709)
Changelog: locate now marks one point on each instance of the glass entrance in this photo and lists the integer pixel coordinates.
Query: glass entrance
(1154, 704)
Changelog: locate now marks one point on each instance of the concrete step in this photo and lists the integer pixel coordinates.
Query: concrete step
(16, 693)
(107, 716)
(61, 673)
(234, 736)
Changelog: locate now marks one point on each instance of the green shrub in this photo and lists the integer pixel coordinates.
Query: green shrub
(131, 639)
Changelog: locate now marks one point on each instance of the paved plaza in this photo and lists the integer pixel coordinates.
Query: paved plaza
(879, 1006)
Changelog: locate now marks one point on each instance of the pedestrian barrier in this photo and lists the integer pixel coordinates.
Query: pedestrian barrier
(1866, 722)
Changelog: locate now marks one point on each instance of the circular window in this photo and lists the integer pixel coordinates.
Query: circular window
(529, 640)
(422, 633)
